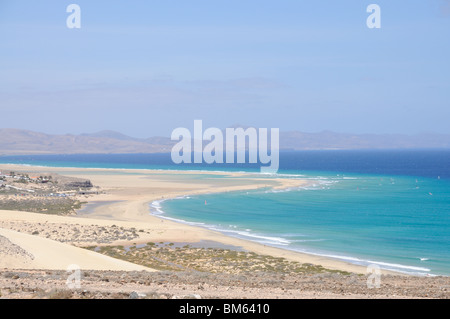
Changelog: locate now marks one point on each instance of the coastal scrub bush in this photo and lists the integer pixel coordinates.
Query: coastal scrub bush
(60, 294)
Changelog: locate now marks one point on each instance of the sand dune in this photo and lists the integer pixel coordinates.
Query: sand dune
(43, 253)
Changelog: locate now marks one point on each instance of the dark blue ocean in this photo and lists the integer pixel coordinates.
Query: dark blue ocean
(425, 163)
(390, 208)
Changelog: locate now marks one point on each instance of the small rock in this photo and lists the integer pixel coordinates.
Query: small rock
(134, 295)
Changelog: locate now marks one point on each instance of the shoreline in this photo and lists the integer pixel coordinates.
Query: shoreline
(134, 208)
(384, 266)
(341, 259)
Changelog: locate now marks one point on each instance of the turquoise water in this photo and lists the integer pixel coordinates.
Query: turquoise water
(386, 207)
(400, 223)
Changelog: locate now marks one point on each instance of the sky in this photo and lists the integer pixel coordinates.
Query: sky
(144, 68)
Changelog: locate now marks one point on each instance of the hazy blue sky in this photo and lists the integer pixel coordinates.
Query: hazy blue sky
(146, 67)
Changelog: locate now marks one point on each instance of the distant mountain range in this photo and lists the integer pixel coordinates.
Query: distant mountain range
(331, 140)
(23, 142)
